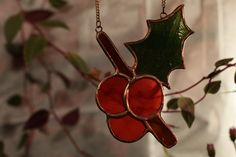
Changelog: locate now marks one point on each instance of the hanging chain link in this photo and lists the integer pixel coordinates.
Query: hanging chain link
(163, 13)
(98, 19)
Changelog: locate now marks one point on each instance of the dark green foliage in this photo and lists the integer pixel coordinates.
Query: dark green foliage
(78, 62)
(12, 27)
(212, 87)
(187, 109)
(58, 4)
(33, 47)
(161, 50)
(223, 62)
(15, 50)
(173, 104)
(15, 100)
(23, 141)
(55, 24)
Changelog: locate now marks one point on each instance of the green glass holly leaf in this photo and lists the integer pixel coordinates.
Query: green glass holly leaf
(160, 52)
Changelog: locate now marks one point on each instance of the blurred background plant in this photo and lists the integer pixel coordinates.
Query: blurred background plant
(31, 43)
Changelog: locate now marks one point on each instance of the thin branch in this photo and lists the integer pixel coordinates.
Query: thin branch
(86, 76)
(234, 146)
(205, 94)
(29, 142)
(171, 111)
(201, 80)
(210, 80)
(27, 102)
(65, 130)
(93, 80)
(187, 89)
(201, 99)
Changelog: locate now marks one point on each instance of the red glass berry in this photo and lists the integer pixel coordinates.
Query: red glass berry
(144, 97)
(126, 129)
(110, 94)
(133, 108)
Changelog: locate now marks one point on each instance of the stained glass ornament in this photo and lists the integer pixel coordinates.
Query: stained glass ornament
(161, 50)
(132, 98)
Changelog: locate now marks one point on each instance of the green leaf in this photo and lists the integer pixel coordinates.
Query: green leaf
(214, 74)
(223, 62)
(15, 49)
(55, 24)
(186, 104)
(160, 52)
(58, 4)
(78, 62)
(212, 87)
(12, 27)
(188, 117)
(15, 100)
(33, 47)
(235, 77)
(173, 104)
(187, 109)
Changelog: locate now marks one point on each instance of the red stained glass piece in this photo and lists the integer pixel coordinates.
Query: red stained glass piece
(110, 94)
(126, 129)
(145, 96)
(161, 131)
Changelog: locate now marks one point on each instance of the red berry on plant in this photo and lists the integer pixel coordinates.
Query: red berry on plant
(211, 150)
(232, 133)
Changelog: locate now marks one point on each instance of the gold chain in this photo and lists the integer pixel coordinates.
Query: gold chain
(163, 13)
(98, 19)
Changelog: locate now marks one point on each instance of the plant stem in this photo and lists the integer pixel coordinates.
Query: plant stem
(29, 143)
(187, 89)
(50, 98)
(201, 80)
(205, 94)
(234, 146)
(171, 111)
(27, 100)
(65, 130)
(93, 80)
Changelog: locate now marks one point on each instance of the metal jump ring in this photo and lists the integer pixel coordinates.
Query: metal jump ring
(98, 29)
(163, 15)
(98, 26)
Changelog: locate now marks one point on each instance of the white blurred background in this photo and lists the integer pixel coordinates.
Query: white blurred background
(213, 22)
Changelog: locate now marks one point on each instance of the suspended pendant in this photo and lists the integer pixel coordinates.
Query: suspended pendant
(132, 98)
